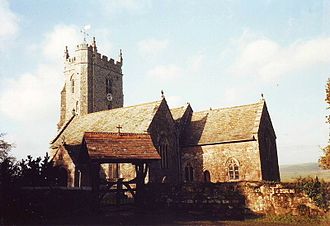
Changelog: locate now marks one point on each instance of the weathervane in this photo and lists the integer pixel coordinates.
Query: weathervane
(84, 31)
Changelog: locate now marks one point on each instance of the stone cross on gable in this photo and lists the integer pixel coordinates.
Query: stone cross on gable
(119, 127)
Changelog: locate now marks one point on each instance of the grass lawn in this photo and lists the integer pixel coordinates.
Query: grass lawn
(132, 216)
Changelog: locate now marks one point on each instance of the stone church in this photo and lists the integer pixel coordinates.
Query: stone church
(96, 133)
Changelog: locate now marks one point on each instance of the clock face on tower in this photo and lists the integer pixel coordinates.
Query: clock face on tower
(109, 97)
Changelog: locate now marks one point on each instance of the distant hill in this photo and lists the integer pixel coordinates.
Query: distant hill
(290, 172)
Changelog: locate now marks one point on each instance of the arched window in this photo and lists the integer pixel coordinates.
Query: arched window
(207, 176)
(60, 176)
(189, 173)
(163, 151)
(72, 85)
(233, 169)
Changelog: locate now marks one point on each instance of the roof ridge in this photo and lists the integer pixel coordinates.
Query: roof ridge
(183, 106)
(116, 109)
(225, 108)
(59, 132)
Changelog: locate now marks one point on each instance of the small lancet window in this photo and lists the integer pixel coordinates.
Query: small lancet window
(233, 169)
(72, 85)
(189, 173)
(207, 176)
(163, 151)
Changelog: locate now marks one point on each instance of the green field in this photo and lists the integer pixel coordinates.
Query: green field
(290, 172)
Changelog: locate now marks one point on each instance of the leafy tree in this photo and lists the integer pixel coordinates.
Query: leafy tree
(37, 172)
(8, 168)
(325, 159)
(5, 148)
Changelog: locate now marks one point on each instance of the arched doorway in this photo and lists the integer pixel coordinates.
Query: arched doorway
(61, 176)
(207, 176)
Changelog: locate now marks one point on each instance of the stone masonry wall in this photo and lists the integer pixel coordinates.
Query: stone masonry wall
(163, 127)
(213, 158)
(63, 159)
(268, 149)
(233, 198)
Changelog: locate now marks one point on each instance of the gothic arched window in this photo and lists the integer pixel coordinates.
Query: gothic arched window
(189, 173)
(163, 151)
(72, 85)
(233, 169)
(207, 176)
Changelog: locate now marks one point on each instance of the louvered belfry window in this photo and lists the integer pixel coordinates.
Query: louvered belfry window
(163, 151)
(189, 173)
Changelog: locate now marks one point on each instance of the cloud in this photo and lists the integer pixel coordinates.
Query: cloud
(265, 59)
(8, 20)
(31, 101)
(165, 72)
(32, 96)
(193, 64)
(152, 47)
(36, 94)
(56, 40)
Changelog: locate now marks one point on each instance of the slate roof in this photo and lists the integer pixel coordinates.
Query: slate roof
(177, 113)
(133, 119)
(120, 146)
(223, 125)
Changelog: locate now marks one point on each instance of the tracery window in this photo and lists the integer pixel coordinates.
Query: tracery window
(163, 151)
(233, 169)
(189, 173)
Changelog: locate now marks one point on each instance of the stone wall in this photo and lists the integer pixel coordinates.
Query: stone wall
(233, 198)
(214, 158)
(268, 149)
(63, 160)
(125, 170)
(163, 128)
(100, 74)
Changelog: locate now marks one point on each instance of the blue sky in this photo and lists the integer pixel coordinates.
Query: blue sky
(209, 53)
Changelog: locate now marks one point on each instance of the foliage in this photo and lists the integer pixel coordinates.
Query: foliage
(36, 172)
(325, 160)
(5, 148)
(317, 190)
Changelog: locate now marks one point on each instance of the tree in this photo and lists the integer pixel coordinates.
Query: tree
(325, 160)
(5, 148)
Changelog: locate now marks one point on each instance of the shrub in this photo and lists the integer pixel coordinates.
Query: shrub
(317, 190)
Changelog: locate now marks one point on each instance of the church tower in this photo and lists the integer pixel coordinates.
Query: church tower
(92, 82)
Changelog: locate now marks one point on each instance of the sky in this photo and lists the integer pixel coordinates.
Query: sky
(208, 53)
